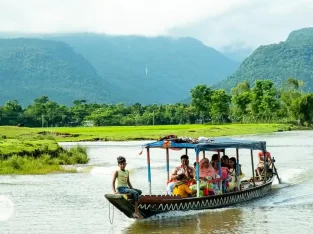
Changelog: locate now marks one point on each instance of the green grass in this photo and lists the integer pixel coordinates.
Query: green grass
(45, 163)
(154, 132)
(28, 147)
(36, 151)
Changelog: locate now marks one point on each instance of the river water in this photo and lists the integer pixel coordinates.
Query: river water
(74, 203)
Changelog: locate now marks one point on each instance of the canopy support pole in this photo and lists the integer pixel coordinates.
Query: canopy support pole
(237, 169)
(220, 171)
(265, 166)
(167, 164)
(203, 154)
(186, 151)
(253, 177)
(197, 174)
(149, 169)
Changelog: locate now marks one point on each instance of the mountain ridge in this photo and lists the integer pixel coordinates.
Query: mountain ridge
(278, 62)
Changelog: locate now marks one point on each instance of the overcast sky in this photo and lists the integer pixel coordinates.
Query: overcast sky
(216, 23)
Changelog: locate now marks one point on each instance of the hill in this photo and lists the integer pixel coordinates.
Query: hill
(151, 70)
(278, 62)
(30, 68)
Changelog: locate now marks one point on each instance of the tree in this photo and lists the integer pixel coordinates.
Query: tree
(11, 113)
(200, 100)
(306, 109)
(241, 99)
(291, 97)
(264, 102)
(220, 106)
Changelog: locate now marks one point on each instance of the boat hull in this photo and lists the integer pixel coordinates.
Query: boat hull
(150, 205)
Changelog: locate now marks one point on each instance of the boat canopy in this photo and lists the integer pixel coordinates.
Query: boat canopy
(224, 143)
(207, 144)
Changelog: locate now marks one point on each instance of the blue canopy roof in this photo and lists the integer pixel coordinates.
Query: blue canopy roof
(211, 145)
(224, 143)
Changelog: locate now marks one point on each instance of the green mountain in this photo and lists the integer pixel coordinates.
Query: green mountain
(151, 70)
(101, 68)
(278, 62)
(30, 68)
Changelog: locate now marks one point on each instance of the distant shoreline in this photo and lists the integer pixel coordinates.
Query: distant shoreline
(22, 149)
(126, 133)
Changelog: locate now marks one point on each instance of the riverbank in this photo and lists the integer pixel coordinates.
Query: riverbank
(25, 151)
(126, 133)
(36, 150)
(48, 137)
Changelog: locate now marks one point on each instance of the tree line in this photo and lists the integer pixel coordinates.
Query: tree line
(244, 104)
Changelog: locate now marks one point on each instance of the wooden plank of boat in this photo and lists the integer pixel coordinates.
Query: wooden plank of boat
(150, 205)
(121, 203)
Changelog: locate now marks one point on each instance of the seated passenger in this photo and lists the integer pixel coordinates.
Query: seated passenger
(214, 162)
(184, 168)
(208, 177)
(226, 178)
(181, 188)
(233, 173)
(206, 169)
(260, 166)
(225, 161)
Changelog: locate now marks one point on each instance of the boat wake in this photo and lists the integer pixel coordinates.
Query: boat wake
(180, 214)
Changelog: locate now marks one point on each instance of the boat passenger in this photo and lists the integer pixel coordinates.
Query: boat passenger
(225, 161)
(260, 166)
(235, 181)
(214, 162)
(123, 184)
(206, 169)
(184, 168)
(225, 171)
(181, 188)
(226, 178)
(208, 178)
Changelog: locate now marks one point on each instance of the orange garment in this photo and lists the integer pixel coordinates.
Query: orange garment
(183, 190)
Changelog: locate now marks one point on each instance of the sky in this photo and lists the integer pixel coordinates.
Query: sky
(217, 23)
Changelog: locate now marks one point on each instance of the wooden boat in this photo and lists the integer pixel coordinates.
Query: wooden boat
(150, 205)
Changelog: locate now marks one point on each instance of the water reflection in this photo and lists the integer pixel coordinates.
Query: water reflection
(215, 221)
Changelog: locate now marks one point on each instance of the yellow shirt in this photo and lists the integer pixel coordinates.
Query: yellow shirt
(122, 177)
(183, 190)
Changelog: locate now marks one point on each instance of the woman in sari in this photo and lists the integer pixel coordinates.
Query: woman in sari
(208, 177)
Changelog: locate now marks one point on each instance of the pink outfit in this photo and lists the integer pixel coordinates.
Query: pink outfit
(209, 171)
(225, 173)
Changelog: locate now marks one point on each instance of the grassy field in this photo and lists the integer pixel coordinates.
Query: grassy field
(36, 151)
(27, 151)
(154, 132)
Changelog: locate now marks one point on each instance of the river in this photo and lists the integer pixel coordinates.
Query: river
(74, 202)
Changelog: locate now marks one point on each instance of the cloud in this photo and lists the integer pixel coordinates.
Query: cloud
(251, 24)
(144, 17)
(223, 23)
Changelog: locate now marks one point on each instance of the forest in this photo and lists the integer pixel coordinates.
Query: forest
(261, 103)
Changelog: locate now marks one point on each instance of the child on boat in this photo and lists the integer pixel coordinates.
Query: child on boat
(123, 184)
(233, 184)
(181, 188)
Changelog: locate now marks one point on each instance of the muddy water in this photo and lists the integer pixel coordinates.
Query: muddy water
(74, 203)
